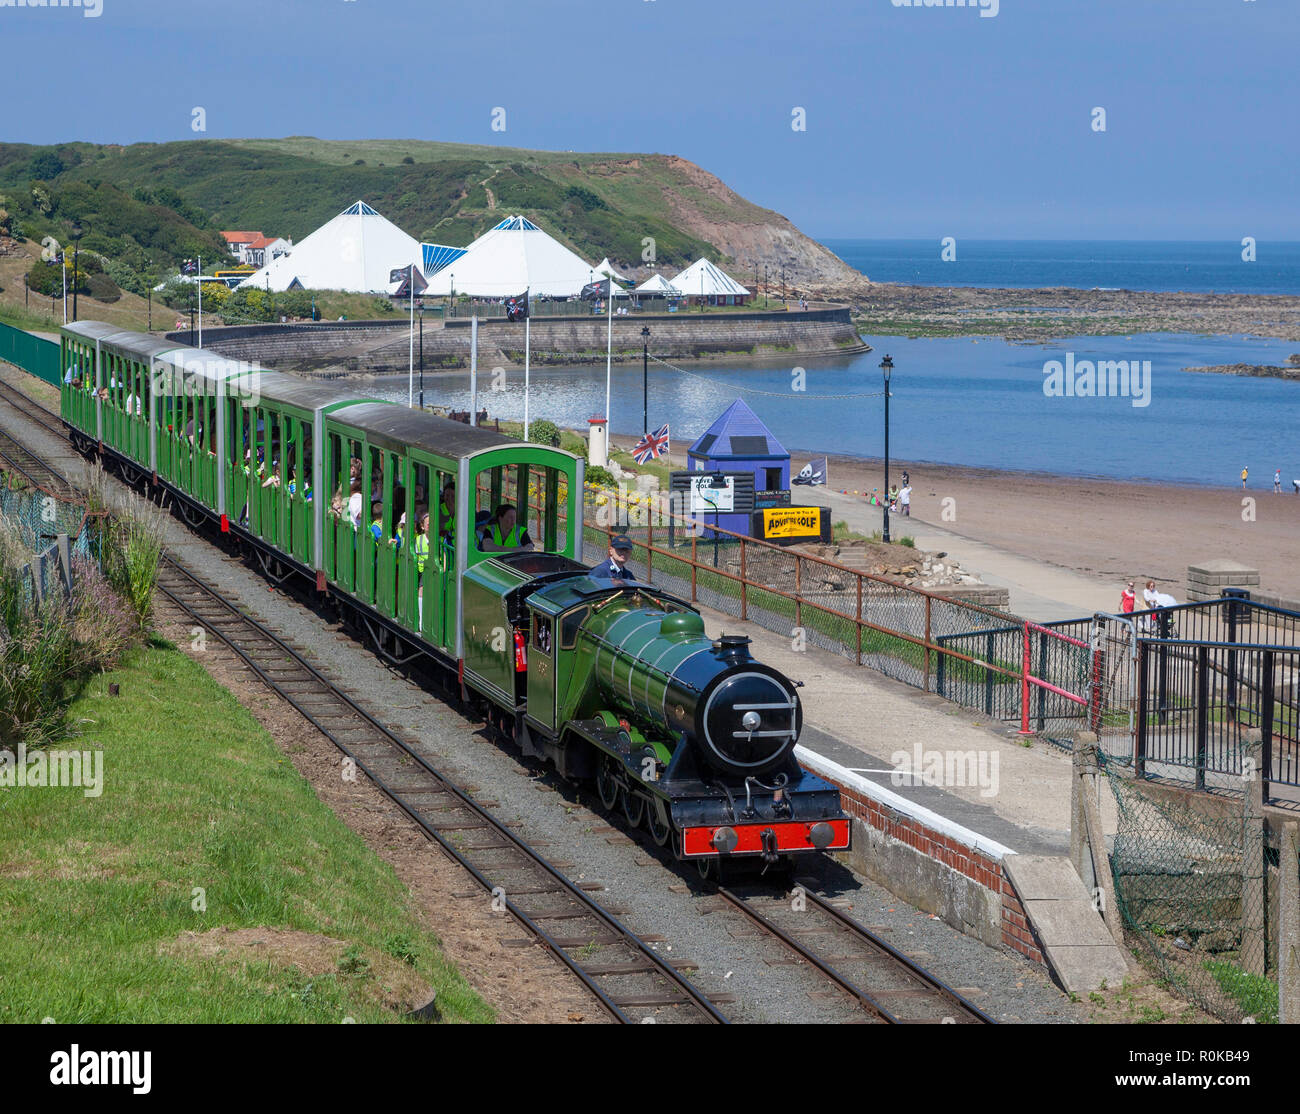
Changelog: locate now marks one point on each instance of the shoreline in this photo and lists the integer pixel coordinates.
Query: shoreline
(1048, 313)
(972, 472)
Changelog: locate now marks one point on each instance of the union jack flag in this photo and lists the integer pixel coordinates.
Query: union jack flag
(652, 445)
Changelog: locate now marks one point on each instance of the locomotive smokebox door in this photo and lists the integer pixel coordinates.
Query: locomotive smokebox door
(542, 671)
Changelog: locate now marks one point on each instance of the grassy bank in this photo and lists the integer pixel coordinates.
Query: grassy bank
(202, 825)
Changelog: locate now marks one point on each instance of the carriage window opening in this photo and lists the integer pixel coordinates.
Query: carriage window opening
(336, 474)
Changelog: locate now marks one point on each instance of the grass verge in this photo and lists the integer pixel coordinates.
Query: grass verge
(203, 827)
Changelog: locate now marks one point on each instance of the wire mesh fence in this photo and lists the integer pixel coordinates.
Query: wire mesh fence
(33, 524)
(1198, 883)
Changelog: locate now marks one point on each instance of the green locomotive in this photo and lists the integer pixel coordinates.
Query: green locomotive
(609, 680)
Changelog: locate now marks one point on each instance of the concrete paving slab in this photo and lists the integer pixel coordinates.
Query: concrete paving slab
(1081, 969)
(1045, 877)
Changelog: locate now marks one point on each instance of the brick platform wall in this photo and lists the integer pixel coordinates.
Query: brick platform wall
(954, 854)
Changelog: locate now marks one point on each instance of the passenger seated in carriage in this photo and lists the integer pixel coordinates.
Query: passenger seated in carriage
(503, 533)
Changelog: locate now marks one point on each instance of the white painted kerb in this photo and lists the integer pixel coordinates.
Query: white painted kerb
(922, 815)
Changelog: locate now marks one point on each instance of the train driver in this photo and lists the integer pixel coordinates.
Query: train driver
(620, 548)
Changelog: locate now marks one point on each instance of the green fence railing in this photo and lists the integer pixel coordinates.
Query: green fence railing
(31, 353)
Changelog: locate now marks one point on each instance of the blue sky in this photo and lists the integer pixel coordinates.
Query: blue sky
(921, 122)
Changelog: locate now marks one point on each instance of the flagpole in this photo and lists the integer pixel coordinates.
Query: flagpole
(199, 279)
(410, 375)
(473, 370)
(609, 356)
(528, 321)
(64, 262)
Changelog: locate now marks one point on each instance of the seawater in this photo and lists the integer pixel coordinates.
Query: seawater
(1161, 265)
(954, 400)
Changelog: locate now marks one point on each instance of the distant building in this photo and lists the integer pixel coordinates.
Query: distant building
(266, 249)
(254, 249)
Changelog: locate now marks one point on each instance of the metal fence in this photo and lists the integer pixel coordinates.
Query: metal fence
(31, 353)
(1175, 689)
(972, 655)
(52, 531)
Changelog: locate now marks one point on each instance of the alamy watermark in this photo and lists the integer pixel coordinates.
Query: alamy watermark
(950, 768)
(53, 769)
(91, 9)
(988, 8)
(1073, 378)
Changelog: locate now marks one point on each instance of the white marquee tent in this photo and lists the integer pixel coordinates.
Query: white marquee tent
(657, 284)
(355, 251)
(513, 257)
(704, 280)
(605, 267)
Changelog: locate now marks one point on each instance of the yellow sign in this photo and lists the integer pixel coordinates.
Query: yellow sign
(792, 522)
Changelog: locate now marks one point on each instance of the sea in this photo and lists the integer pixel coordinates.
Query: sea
(980, 401)
(1163, 265)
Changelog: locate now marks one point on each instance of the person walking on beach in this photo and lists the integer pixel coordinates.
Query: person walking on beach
(1277, 482)
(1244, 473)
(1127, 599)
(905, 500)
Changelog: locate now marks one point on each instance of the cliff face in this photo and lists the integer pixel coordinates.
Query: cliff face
(708, 209)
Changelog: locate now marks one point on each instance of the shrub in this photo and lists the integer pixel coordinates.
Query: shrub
(408, 161)
(38, 666)
(103, 289)
(131, 552)
(45, 166)
(601, 477)
(102, 626)
(908, 541)
(544, 433)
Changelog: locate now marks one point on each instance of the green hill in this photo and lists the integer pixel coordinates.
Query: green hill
(154, 204)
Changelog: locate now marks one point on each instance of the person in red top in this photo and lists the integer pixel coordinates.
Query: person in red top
(1127, 599)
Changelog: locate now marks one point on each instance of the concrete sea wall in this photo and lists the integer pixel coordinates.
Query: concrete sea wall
(338, 348)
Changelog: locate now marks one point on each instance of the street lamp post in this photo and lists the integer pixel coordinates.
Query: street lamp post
(77, 233)
(421, 353)
(645, 380)
(886, 366)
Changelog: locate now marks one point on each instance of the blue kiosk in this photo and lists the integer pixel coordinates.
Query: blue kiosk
(741, 471)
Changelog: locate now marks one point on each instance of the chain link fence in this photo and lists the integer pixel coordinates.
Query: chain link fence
(33, 522)
(1197, 882)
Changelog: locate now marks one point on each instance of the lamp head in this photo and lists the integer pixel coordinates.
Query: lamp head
(887, 366)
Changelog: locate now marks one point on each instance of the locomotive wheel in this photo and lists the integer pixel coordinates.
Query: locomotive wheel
(660, 831)
(634, 807)
(606, 783)
(708, 868)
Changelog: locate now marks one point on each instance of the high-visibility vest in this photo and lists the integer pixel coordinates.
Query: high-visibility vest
(511, 542)
(420, 548)
(449, 521)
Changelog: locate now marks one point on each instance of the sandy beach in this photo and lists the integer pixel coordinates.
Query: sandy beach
(1105, 529)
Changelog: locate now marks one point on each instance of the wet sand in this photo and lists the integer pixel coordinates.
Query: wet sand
(1107, 529)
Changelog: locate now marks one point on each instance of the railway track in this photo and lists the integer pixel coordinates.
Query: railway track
(620, 969)
(887, 985)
